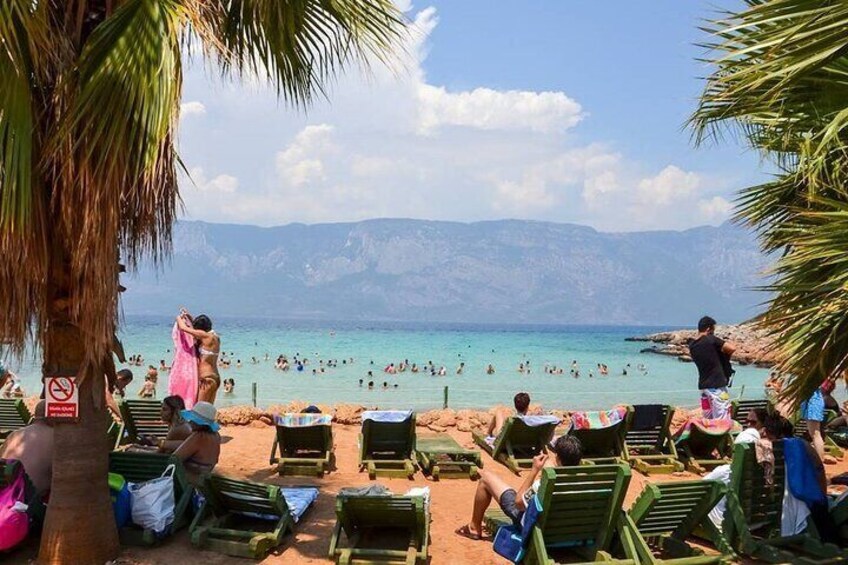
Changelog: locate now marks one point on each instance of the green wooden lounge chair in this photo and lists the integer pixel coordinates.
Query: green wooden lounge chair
(581, 516)
(141, 467)
(304, 451)
(752, 519)
(666, 514)
(13, 416)
(141, 418)
(739, 409)
(376, 527)
(652, 450)
(517, 443)
(440, 456)
(604, 445)
(229, 519)
(703, 451)
(387, 449)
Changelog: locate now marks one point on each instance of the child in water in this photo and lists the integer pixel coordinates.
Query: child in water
(229, 384)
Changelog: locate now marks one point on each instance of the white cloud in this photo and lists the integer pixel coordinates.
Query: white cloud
(300, 163)
(489, 109)
(193, 108)
(393, 144)
(670, 184)
(221, 183)
(715, 209)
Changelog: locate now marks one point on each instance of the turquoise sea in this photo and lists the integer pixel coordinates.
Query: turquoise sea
(663, 379)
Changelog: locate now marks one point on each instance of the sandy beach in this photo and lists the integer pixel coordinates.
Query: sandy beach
(245, 454)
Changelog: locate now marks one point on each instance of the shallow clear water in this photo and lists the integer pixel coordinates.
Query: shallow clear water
(665, 380)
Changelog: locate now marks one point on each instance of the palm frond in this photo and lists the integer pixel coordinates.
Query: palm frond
(296, 45)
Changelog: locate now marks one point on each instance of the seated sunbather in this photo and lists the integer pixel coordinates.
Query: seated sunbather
(200, 451)
(32, 445)
(521, 402)
(178, 429)
(568, 452)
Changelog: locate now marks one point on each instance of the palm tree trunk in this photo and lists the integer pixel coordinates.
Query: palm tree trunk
(80, 525)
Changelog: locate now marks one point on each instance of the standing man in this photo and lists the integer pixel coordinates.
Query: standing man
(711, 355)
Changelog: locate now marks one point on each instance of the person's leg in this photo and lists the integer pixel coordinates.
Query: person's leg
(488, 487)
(814, 429)
(496, 423)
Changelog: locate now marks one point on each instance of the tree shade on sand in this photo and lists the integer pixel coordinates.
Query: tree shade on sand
(89, 107)
(780, 82)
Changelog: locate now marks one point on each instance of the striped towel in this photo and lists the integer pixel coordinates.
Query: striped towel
(597, 420)
(298, 420)
(716, 427)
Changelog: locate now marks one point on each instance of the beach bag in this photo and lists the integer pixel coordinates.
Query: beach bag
(119, 491)
(14, 522)
(153, 502)
(511, 542)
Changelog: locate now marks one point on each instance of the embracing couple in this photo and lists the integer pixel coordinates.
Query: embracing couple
(194, 373)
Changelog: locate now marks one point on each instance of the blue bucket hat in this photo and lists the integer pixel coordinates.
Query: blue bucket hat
(203, 414)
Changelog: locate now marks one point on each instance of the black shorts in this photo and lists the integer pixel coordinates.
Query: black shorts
(510, 507)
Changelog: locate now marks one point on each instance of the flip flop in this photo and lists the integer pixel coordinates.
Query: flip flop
(466, 532)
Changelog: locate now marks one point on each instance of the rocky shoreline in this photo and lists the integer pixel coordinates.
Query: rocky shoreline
(754, 346)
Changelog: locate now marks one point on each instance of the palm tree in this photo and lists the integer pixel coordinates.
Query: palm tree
(89, 106)
(781, 82)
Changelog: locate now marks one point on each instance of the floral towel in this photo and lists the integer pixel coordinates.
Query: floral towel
(597, 420)
(716, 427)
(298, 420)
(389, 416)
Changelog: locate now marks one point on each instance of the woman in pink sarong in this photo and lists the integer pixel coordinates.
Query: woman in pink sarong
(183, 376)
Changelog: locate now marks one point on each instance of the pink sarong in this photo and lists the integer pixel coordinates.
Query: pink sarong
(182, 380)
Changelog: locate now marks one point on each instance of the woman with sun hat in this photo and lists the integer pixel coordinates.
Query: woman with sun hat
(200, 451)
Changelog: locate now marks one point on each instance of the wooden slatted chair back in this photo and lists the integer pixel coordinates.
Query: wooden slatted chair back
(389, 440)
(526, 441)
(143, 418)
(358, 513)
(740, 409)
(231, 495)
(652, 439)
(304, 439)
(675, 508)
(603, 442)
(13, 414)
(140, 467)
(580, 504)
(762, 504)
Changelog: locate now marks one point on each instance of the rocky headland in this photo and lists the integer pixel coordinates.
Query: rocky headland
(753, 346)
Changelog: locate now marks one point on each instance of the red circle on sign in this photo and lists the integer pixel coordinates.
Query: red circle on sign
(61, 389)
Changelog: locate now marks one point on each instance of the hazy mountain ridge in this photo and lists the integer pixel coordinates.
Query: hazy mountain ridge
(496, 271)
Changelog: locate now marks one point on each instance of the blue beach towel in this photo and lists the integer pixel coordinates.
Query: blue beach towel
(511, 542)
(299, 499)
(801, 474)
(389, 416)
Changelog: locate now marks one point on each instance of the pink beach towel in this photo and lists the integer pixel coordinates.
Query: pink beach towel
(182, 380)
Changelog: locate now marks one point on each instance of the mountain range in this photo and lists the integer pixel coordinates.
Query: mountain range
(502, 272)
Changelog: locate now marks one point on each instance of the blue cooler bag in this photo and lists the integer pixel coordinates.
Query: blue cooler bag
(120, 493)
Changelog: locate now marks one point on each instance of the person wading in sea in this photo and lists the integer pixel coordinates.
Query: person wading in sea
(712, 357)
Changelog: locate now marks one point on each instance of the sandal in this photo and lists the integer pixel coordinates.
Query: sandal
(466, 532)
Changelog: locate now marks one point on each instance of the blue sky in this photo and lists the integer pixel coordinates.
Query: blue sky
(545, 109)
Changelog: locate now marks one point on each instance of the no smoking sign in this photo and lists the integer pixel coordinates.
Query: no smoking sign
(62, 397)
